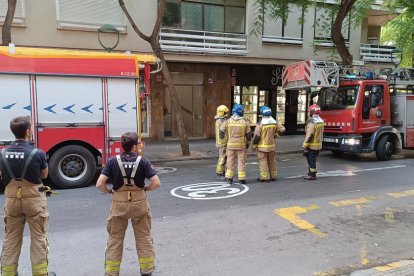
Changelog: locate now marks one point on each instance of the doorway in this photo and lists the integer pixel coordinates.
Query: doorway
(190, 94)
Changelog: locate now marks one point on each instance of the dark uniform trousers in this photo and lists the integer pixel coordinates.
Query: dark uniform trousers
(129, 202)
(24, 203)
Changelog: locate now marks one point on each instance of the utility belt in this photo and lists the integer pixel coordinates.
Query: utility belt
(24, 189)
(129, 193)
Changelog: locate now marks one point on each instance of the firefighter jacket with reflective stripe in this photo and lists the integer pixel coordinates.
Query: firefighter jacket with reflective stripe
(314, 133)
(220, 142)
(238, 132)
(265, 134)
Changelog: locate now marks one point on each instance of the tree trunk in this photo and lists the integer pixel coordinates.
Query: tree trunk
(5, 32)
(153, 41)
(336, 31)
(185, 148)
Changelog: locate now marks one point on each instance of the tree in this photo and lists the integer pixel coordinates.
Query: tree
(397, 32)
(5, 31)
(152, 40)
(280, 9)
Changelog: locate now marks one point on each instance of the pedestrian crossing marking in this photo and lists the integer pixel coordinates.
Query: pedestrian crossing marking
(402, 194)
(355, 201)
(290, 214)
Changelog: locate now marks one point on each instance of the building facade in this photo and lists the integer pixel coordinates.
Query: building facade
(209, 48)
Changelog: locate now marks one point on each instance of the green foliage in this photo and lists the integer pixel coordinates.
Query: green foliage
(400, 33)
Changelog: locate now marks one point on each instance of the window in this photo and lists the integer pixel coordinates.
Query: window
(89, 14)
(209, 15)
(345, 97)
(324, 18)
(19, 15)
(291, 32)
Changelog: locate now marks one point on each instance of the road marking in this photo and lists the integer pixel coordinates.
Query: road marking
(402, 194)
(210, 190)
(290, 214)
(354, 201)
(363, 252)
(388, 267)
(163, 170)
(348, 173)
(389, 214)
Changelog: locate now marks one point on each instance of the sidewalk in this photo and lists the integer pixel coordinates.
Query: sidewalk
(164, 151)
(401, 268)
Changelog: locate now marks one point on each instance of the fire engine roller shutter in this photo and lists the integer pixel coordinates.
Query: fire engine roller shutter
(14, 101)
(122, 98)
(66, 100)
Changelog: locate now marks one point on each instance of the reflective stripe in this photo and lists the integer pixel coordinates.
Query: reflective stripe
(229, 174)
(312, 170)
(146, 263)
(39, 269)
(112, 266)
(264, 136)
(9, 270)
(264, 175)
(242, 175)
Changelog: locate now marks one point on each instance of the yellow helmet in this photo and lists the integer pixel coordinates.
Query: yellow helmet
(222, 110)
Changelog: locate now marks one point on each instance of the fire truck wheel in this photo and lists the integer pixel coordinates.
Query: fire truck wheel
(72, 167)
(385, 148)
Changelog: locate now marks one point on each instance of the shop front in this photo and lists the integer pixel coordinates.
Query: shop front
(256, 85)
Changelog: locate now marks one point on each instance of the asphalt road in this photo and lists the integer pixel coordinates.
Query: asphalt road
(358, 214)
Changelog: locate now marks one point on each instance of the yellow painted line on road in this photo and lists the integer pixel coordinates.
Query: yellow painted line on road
(354, 201)
(388, 267)
(363, 251)
(402, 194)
(389, 214)
(290, 214)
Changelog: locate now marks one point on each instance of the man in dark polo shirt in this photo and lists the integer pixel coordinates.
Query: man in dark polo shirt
(22, 168)
(127, 173)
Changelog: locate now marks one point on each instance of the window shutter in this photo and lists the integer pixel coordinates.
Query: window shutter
(89, 14)
(19, 15)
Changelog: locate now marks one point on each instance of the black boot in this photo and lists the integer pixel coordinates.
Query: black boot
(229, 180)
(242, 181)
(148, 274)
(262, 180)
(310, 176)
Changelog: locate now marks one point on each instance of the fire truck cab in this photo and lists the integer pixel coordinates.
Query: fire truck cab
(365, 114)
(80, 103)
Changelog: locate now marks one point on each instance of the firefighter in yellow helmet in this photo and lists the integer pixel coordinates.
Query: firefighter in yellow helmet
(239, 136)
(221, 143)
(265, 134)
(313, 140)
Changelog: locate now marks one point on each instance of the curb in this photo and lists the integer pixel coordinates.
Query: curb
(206, 157)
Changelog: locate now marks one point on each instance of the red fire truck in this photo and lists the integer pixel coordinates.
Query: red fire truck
(80, 103)
(362, 114)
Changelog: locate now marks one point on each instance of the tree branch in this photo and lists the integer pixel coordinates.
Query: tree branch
(160, 16)
(131, 21)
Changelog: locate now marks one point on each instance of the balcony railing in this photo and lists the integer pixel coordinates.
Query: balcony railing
(377, 53)
(190, 41)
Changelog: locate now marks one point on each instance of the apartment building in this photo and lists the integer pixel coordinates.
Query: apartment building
(213, 57)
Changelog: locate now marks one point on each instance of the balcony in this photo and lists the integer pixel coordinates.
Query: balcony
(202, 42)
(377, 53)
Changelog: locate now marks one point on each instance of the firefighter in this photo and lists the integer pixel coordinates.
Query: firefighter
(127, 173)
(23, 167)
(221, 117)
(239, 136)
(265, 135)
(313, 139)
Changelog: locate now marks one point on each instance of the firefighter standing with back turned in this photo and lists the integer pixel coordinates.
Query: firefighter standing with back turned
(127, 172)
(221, 117)
(239, 136)
(23, 167)
(265, 135)
(313, 140)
